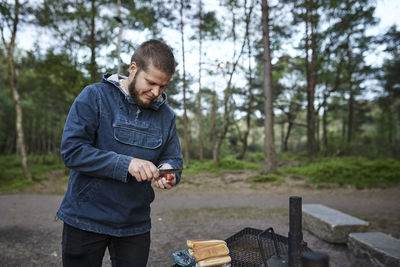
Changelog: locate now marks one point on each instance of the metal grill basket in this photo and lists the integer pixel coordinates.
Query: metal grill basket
(248, 247)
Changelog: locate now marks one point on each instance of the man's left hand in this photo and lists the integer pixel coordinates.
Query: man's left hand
(162, 181)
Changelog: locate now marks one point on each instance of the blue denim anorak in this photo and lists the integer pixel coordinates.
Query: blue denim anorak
(105, 129)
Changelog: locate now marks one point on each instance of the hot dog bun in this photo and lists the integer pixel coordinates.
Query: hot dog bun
(214, 261)
(190, 242)
(210, 251)
(197, 244)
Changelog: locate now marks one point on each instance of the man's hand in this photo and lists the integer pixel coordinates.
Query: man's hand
(165, 181)
(143, 170)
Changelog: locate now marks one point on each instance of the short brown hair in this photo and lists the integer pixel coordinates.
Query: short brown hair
(157, 53)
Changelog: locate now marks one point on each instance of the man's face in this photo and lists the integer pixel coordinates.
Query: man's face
(145, 87)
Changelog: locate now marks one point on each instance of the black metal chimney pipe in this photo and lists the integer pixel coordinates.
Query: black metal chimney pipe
(295, 236)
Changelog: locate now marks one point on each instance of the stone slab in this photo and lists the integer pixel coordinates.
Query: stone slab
(380, 248)
(329, 224)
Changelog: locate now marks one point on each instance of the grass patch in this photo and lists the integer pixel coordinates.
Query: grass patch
(11, 174)
(290, 156)
(270, 178)
(226, 164)
(360, 172)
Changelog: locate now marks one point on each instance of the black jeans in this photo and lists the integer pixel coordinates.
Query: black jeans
(83, 248)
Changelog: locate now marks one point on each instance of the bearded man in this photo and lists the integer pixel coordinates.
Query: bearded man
(118, 134)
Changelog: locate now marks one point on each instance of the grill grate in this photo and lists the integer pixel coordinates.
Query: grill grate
(245, 251)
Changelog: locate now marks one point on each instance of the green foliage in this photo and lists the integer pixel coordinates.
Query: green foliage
(255, 156)
(360, 172)
(273, 178)
(11, 174)
(291, 156)
(227, 163)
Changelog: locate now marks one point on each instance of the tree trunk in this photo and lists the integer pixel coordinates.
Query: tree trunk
(311, 79)
(325, 123)
(93, 68)
(350, 120)
(225, 124)
(269, 143)
(15, 94)
(185, 118)
(119, 37)
(249, 110)
(213, 118)
(228, 90)
(289, 130)
(350, 127)
(199, 111)
(220, 135)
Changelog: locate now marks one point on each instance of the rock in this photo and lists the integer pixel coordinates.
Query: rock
(381, 249)
(329, 224)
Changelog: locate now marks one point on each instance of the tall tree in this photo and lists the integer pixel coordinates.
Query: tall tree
(248, 92)
(186, 153)
(311, 23)
(389, 102)
(199, 109)
(231, 71)
(79, 26)
(269, 140)
(208, 28)
(86, 27)
(290, 101)
(349, 32)
(120, 26)
(10, 18)
(307, 13)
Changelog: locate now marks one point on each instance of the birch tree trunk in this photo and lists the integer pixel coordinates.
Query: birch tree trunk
(14, 91)
(269, 143)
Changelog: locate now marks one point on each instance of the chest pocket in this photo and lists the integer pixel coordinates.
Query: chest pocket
(143, 136)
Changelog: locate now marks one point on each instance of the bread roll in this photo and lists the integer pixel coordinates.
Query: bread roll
(214, 261)
(210, 251)
(190, 242)
(205, 243)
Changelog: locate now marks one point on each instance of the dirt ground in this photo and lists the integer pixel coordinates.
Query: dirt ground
(202, 206)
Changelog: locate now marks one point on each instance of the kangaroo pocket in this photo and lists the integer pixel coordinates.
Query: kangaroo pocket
(140, 135)
(88, 190)
(120, 204)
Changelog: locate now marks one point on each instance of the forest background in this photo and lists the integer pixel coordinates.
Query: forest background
(334, 88)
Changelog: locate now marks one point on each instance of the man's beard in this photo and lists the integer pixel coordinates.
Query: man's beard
(134, 94)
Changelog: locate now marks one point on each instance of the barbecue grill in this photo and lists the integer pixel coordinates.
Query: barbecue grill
(255, 248)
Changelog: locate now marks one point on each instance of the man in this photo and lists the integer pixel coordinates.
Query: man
(117, 134)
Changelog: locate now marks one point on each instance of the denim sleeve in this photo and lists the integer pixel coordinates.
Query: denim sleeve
(79, 135)
(172, 152)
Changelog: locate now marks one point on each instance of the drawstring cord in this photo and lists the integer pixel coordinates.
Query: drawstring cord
(137, 113)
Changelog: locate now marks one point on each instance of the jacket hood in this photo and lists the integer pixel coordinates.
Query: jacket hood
(114, 80)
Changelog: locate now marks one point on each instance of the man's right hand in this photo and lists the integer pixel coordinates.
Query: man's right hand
(143, 170)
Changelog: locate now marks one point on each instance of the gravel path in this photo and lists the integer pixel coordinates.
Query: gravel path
(30, 235)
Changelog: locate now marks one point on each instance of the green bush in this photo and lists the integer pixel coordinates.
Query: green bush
(270, 177)
(256, 156)
(360, 172)
(12, 176)
(291, 156)
(226, 163)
